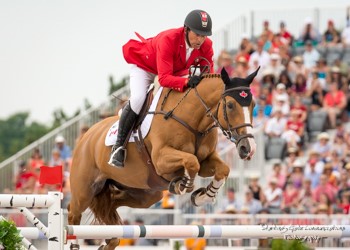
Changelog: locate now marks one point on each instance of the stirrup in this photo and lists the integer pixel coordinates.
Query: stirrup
(114, 161)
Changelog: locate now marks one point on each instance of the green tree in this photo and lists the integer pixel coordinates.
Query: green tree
(61, 117)
(16, 133)
(114, 86)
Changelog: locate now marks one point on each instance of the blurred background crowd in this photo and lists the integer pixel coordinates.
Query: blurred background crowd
(302, 100)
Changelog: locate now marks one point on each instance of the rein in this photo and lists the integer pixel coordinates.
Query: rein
(198, 134)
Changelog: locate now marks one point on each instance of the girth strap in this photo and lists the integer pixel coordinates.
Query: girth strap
(154, 181)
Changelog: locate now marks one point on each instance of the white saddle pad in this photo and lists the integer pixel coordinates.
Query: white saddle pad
(111, 136)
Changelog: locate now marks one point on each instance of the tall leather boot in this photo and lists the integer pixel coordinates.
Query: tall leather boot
(126, 123)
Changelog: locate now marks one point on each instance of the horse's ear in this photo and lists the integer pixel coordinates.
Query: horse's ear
(224, 76)
(251, 77)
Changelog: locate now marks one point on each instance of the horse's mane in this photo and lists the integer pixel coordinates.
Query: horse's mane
(211, 75)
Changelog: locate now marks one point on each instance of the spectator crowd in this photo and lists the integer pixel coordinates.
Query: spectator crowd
(312, 174)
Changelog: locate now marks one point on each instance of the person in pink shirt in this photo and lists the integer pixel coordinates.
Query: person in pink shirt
(278, 174)
(290, 197)
(334, 103)
(225, 60)
(324, 188)
(36, 160)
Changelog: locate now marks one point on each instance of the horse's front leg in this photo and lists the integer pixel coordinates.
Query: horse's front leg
(211, 166)
(169, 160)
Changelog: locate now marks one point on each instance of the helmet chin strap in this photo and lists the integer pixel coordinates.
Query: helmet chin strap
(187, 29)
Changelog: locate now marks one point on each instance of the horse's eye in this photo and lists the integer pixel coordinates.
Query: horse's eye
(230, 105)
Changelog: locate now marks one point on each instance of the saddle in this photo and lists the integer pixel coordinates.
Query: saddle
(154, 180)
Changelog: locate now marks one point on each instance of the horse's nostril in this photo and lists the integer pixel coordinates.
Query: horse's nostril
(244, 150)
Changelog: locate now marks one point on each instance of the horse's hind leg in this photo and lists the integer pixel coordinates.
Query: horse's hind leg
(80, 201)
(213, 165)
(135, 198)
(111, 244)
(82, 194)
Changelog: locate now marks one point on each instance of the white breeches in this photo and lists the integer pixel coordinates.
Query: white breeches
(140, 80)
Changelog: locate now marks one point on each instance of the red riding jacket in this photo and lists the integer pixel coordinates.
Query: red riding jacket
(165, 55)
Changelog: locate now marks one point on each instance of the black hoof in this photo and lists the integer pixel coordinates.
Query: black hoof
(194, 195)
(74, 246)
(172, 184)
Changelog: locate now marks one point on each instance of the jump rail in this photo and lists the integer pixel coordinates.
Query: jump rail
(57, 235)
(206, 231)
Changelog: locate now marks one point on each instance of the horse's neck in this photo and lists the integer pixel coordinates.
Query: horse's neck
(210, 91)
(191, 107)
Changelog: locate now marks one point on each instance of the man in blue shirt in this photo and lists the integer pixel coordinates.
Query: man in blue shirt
(65, 150)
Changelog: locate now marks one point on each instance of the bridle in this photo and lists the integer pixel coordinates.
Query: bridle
(231, 132)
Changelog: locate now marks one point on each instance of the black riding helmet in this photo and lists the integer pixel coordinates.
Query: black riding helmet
(199, 22)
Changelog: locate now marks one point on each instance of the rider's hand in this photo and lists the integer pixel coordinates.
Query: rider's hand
(194, 81)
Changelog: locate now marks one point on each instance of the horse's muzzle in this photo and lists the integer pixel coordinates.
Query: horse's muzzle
(246, 148)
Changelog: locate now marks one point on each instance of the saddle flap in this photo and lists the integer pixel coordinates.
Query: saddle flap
(145, 107)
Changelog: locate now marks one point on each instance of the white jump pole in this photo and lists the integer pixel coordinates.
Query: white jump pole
(205, 231)
(26, 200)
(28, 245)
(32, 233)
(34, 220)
(55, 214)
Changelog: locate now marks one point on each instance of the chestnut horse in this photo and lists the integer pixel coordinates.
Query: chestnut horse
(181, 147)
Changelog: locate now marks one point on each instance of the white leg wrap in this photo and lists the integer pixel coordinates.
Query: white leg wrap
(210, 195)
(188, 183)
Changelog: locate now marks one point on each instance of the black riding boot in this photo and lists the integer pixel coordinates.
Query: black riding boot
(126, 123)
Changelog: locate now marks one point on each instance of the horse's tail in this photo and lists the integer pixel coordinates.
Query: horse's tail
(104, 207)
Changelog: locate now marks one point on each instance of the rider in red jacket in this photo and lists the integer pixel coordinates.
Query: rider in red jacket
(169, 55)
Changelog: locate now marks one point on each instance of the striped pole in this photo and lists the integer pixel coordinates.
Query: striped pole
(32, 233)
(34, 220)
(28, 245)
(206, 231)
(25, 200)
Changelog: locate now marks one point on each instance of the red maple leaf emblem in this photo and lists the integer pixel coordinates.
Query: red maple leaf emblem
(243, 94)
(204, 16)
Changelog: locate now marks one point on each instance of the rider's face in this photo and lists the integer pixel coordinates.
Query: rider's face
(195, 40)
